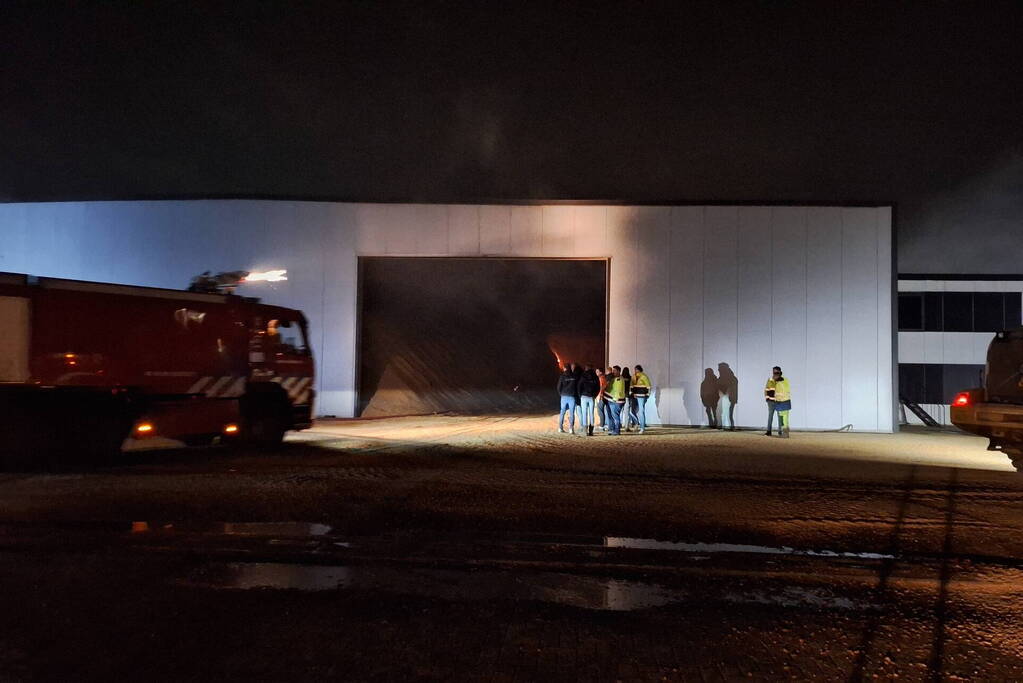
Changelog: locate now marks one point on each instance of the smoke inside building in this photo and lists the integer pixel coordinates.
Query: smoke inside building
(475, 335)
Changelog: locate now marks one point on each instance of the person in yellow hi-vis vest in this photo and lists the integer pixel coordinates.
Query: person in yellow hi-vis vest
(616, 392)
(779, 399)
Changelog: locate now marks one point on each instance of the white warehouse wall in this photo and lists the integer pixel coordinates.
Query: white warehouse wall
(807, 288)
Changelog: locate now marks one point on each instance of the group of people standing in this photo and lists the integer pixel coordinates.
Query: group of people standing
(618, 397)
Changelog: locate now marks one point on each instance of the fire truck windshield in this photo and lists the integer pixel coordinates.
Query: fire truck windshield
(287, 336)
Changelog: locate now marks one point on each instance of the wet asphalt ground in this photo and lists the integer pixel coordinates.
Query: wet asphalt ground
(496, 549)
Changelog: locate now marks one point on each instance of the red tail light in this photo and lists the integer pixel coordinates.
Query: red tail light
(963, 399)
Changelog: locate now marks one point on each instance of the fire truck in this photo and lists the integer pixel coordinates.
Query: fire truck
(85, 365)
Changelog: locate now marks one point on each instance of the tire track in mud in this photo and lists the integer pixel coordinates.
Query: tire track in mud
(730, 483)
(353, 473)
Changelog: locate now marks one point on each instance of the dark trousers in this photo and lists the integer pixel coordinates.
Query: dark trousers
(770, 415)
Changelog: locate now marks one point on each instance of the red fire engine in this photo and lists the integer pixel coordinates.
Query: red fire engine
(84, 365)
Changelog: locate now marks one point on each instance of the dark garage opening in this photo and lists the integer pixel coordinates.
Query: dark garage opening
(475, 335)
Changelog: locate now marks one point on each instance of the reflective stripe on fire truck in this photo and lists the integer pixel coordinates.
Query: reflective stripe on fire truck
(199, 384)
(219, 387)
(301, 395)
(223, 387)
(297, 388)
(237, 388)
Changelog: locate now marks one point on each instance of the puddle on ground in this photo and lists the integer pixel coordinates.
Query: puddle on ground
(564, 589)
(287, 529)
(588, 592)
(652, 544)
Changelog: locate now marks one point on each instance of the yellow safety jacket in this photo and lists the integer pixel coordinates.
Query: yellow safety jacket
(617, 390)
(782, 392)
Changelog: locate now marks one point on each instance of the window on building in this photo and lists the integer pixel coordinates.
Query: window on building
(933, 319)
(911, 382)
(934, 383)
(956, 378)
(1013, 309)
(921, 382)
(911, 312)
(988, 312)
(957, 309)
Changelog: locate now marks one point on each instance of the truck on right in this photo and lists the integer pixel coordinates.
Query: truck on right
(995, 410)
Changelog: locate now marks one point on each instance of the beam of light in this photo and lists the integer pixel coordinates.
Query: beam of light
(267, 276)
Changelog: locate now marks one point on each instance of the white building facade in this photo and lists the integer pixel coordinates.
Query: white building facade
(808, 288)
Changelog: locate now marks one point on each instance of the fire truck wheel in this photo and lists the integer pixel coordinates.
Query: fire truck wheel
(263, 426)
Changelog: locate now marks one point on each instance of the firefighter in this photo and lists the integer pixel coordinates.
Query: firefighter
(273, 333)
(779, 399)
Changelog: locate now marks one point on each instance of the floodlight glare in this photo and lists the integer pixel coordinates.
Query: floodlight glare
(267, 276)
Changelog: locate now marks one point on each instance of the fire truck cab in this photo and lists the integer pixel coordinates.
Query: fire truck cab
(85, 365)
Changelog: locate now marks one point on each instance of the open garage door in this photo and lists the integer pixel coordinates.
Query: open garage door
(475, 335)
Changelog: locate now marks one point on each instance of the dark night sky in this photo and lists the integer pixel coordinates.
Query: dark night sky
(915, 104)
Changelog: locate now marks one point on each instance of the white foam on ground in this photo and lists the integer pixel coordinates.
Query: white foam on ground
(653, 544)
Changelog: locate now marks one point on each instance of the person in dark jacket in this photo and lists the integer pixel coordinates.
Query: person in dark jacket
(589, 388)
(578, 377)
(568, 389)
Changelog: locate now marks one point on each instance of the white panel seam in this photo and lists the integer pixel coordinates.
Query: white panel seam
(877, 333)
(841, 337)
(671, 224)
(770, 326)
(703, 292)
